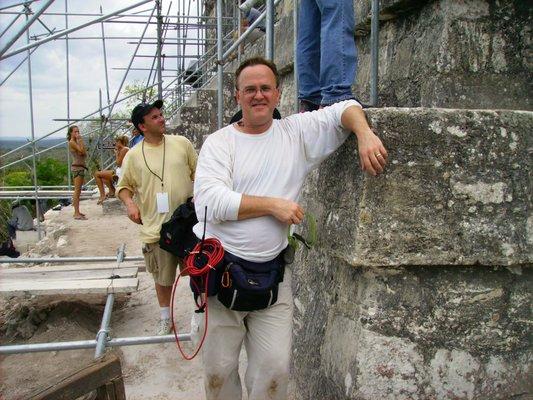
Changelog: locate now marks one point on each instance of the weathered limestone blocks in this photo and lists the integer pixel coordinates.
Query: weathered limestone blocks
(456, 54)
(419, 286)
(436, 53)
(457, 191)
(411, 332)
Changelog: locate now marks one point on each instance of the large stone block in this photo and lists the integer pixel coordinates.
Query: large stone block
(456, 54)
(456, 192)
(410, 333)
(419, 285)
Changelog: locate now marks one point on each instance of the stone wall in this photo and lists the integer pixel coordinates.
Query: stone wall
(449, 53)
(419, 285)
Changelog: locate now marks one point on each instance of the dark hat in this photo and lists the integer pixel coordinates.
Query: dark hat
(140, 110)
(238, 116)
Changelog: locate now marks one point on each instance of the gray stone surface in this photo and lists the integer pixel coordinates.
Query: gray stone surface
(113, 206)
(457, 191)
(410, 333)
(437, 53)
(454, 54)
(419, 286)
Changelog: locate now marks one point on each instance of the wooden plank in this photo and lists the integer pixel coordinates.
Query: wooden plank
(70, 275)
(73, 385)
(95, 286)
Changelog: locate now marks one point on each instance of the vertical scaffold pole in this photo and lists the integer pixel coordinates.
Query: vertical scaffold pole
(34, 166)
(220, 65)
(105, 61)
(159, 49)
(101, 136)
(68, 93)
(295, 15)
(269, 44)
(374, 43)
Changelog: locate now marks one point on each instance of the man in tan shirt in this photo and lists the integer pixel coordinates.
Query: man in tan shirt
(159, 172)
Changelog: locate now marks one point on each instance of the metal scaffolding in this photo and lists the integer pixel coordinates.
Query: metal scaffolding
(200, 58)
(205, 36)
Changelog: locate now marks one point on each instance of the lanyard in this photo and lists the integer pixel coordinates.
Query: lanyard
(162, 168)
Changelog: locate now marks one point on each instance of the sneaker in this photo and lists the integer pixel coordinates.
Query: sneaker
(165, 327)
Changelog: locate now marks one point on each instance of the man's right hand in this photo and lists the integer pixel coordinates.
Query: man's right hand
(134, 213)
(287, 211)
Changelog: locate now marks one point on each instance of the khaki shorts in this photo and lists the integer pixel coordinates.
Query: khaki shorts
(160, 263)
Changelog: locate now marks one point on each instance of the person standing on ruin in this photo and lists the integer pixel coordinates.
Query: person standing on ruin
(326, 54)
(159, 171)
(78, 152)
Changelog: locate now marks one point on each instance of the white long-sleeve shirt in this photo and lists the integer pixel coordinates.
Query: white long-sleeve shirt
(272, 164)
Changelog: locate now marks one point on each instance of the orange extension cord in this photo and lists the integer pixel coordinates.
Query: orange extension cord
(213, 252)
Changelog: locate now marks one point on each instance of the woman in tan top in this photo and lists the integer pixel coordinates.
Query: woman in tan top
(78, 168)
(109, 177)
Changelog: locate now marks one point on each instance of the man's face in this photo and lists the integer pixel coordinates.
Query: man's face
(257, 94)
(154, 123)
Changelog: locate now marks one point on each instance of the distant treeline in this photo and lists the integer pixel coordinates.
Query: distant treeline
(10, 143)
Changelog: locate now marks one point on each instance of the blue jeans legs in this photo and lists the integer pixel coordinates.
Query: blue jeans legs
(326, 55)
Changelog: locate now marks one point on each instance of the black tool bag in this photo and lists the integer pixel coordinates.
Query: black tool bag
(250, 286)
(176, 235)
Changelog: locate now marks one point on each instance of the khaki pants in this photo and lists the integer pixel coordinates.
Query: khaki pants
(267, 337)
(160, 263)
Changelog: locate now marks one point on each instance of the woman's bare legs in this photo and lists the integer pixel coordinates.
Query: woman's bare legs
(101, 178)
(78, 183)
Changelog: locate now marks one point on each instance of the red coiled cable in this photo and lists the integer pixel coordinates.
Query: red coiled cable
(212, 252)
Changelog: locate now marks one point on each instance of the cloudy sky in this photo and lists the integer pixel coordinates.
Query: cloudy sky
(87, 74)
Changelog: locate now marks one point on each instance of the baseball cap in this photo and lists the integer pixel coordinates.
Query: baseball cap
(141, 110)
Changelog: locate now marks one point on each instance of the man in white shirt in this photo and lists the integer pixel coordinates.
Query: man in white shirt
(249, 176)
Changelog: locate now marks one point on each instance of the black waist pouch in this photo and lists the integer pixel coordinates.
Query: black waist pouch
(176, 235)
(249, 286)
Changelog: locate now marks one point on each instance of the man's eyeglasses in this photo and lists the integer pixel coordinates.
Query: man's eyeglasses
(252, 91)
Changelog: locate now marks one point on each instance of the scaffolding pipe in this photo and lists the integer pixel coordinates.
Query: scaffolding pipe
(374, 50)
(9, 25)
(63, 127)
(61, 260)
(76, 28)
(24, 3)
(34, 162)
(69, 178)
(295, 21)
(159, 48)
(247, 32)
(105, 60)
(103, 334)
(25, 28)
(220, 61)
(40, 152)
(90, 344)
(269, 44)
(17, 67)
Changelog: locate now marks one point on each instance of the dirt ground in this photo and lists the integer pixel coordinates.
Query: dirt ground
(154, 371)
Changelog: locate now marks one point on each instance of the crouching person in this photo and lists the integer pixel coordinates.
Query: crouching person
(249, 176)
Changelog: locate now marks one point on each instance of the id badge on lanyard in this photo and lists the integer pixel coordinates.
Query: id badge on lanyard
(162, 202)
